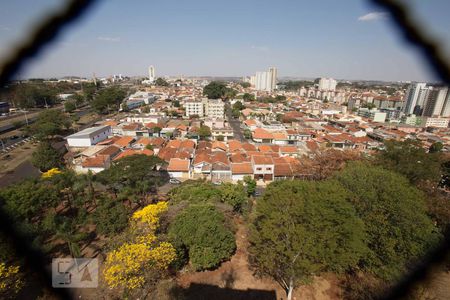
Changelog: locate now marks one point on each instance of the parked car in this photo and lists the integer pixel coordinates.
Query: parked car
(174, 181)
(217, 182)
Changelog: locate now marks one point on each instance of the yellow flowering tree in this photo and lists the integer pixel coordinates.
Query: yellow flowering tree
(126, 266)
(150, 214)
(50, 173)
(10, 280)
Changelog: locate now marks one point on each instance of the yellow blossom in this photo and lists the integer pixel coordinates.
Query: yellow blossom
(10, 279)
(150, 214)
(50, 173)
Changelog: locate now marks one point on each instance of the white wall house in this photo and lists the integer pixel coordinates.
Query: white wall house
(89, 136)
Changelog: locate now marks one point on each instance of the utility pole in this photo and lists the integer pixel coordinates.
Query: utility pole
(26, 118)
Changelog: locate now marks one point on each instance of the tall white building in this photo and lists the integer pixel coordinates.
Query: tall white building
(265, 81)
(211, 108)
(151, 74)
(414, 93)
(434, 104)
(194, 108)
(446, 107)
(327, 84)
(214, 108)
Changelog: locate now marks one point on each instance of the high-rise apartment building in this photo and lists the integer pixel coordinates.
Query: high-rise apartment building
(428, 101)
(327, 84)
(265, 81)
(211, 108)
(413, 94)
(434, 104)
(214, 108)
(151, 74)
(194, 108)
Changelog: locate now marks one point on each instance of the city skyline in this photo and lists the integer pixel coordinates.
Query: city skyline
(350, 41)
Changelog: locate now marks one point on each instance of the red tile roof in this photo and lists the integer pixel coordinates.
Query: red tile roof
(124, 141)
(98, 161)
(178, 165)
(262, 160)
(129, 152)
(242, 168)
(260, 133)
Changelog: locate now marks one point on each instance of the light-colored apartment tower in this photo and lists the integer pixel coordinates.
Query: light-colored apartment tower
(151, 73)
(265, 81)
(194, 108)
(214, 108)
(414, 93)
(434, 104)
(327, 84)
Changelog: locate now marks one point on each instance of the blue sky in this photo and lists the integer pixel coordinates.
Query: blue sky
(343, 39)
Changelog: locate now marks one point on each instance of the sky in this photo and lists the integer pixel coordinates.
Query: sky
(348, 39)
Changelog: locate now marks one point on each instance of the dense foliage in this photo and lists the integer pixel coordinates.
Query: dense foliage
(292, 219)
(50, 123)
(195, 192)
(410, 159)
(202, 231)
(108, 99)
(134, 177)
(45, 157)
(398, 228)
(218, 90)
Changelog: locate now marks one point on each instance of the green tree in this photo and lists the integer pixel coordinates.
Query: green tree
(234, 195)
(292, 219)
(69, 106)
(245, 84)
(176, 103)
(204, 132)
(50, 123)
(398, 228)
(369, 105)
(197, 191)
(110, 216)
(45, 157)
(28, 199)
(108, 99)
(215, 90)
(161, 82)
(28, 95)
(436, 147)
(248, 97)
(247, 133)
(238, 106)
(134, 177)
(250, 185)
(410, 159)
(201, 229)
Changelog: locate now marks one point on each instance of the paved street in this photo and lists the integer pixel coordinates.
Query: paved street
(235, 124)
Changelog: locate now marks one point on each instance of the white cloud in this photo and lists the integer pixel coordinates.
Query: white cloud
(261, 48)
(109, 39)
(373, 16)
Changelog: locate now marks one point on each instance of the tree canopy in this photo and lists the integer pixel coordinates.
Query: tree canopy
(398, 228)
(201, 230)
(411, 160)
(45, 157)
(50, 123)
(134, 177)
(218, 90)
(108, 99)
(292, 219)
